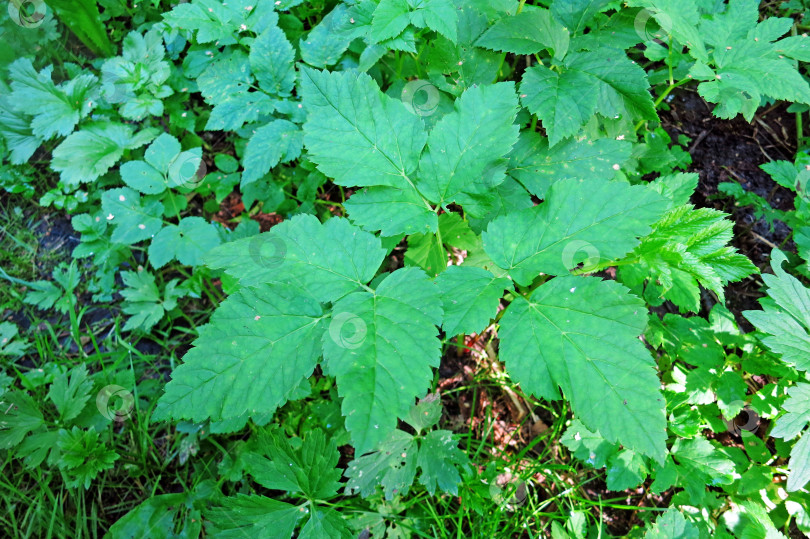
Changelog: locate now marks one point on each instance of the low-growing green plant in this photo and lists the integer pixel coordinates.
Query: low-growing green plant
(434, 169)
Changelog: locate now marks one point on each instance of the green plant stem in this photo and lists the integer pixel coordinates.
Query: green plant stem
(663, 96)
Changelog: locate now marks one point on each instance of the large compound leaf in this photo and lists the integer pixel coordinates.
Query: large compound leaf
(381, 346)
(326, 261)
(466, 142)
(356, 134)
(260, 345)
(588, 221)
(786, 322)
(581, 334)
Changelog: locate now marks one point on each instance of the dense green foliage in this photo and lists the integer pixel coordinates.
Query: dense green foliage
(440, 169)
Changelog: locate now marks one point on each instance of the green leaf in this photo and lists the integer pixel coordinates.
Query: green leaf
(393, 467)
(687, 247)
(84, 20)
(161, 153)
(381, 346)
(576, 14)
(144, 303)
(379, 143)
(391, 210)
(43, 294)
(748, 65)
(527, 32)
(308, 467)
(10, 346)
(797, 416)
(15, 127)
(271, 59)
(426, 252)
(390, 18)
(799, 474)
(156, 516)
(731, 390)
(212, 21)
(21, 415)
(242, 515)
(325, 522)
(326, 43)
(438, 15)
(700, 463)
(143, 177)
(137, 79)
(581, 334)
(454, 67)
(605, 81)
(439, 459)
(588, 446)
(672, 525)
(225, 84)
(426, 413)
(70, 394)
(187, 242)
(680, 19)
(261, 342)
(470, 298)
(563, 101)
(326, 261)
(587, 220)
(87, 154)
(464, 145)
(625, 470)
(456, 232)
(788, 321)
(56, 110)
(537, 166)
(134, 219)
(82, 456)
(279, 141)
